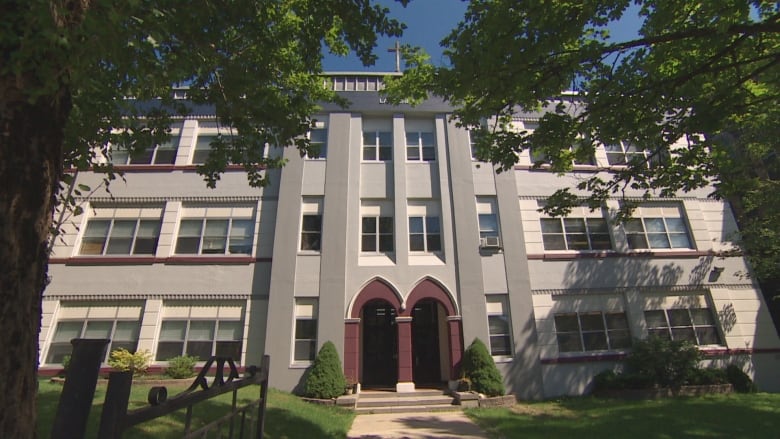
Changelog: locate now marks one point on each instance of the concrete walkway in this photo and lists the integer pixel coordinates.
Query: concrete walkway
(453, 424)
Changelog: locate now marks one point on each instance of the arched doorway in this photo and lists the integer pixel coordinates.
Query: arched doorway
(426, 343)
(379, 344)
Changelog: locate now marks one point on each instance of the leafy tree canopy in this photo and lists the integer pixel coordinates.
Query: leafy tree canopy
(701, 78)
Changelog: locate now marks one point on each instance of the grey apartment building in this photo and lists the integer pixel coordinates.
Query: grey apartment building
(400, 248)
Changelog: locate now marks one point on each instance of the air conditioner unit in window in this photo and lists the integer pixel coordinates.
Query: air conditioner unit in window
(490, 242)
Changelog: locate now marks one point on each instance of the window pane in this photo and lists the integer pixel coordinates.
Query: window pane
(578, 241)
(369, 224)
(498, 325)
(569, 342)
(67, 331)
(655, 225)
(619, 339)
(432, 224)
(416, 243)
(142, 157)
(655, 319)
(595, 341)
(679, 317)
(636, 241)
(386, 224)
(126, 331)
(230, 349)
(499, 345)
(312, 223)
(386, 139)
(416, 225)
(574, 225)
(230, 330)
(201, 349)
(95, 237)
(551, 225)
(412, 139)
(488, 224)
(708, 335)
(566, 323)
(434, 243)
(600, 242)
(173, 330)
(98, 329)
(702, 316)
(554, 242)
(686, 334)
(680, 241)
(676, 225)
(188, 241)
(305, 329)
(368, 243)
(426, 139)
(386, 243)
(412, 153)
(304, 350)
(616, 320)
(591, 322)
(428, 154)
(166, 152)
(241, 233)
(121, 237)
(215, 237)
(634, 226)
(658, 240)
(147, 237)
(201, 330)
(169, 349)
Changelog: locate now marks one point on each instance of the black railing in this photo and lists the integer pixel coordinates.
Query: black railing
(242, 422)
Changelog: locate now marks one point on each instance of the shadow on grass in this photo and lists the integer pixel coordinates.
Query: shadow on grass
(286, 415)
(730, 416)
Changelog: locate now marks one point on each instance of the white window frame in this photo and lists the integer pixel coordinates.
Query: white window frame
(311, 207)
(610, 334)
(318, 135)
(212, 214)
(669, 330)
(222, 312)
(129, 160)
(306, 310)
(567, 228)
(498, 308)
(129, 344)
(414, 142)
(487, 215)
(673, 220)
(144, 215)
(377, 148)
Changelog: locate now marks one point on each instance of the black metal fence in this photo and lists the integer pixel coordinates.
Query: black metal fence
(245, 421)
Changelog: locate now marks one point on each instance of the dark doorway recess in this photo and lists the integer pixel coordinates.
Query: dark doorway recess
(380, 345)
(426, 367)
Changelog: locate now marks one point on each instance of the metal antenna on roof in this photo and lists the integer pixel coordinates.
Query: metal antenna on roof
(397, 50)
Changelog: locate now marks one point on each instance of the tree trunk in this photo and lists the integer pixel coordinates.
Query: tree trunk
(31, 161)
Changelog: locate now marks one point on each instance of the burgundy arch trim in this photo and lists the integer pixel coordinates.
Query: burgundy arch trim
(428, 289)
(373, 291)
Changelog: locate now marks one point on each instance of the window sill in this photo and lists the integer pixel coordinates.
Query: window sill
(376, 259)
(570, 254)
(301, 365)
(502, 359)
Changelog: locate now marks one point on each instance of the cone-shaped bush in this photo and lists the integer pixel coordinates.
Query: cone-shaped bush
(480, 369)
(326, 378)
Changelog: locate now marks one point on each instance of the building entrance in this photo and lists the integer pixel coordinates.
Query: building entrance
(426, 365)
(380, 345)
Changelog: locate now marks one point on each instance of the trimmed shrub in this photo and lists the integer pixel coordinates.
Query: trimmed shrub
(740, 380)
(180, 367)
(65, 365)
(121, 359)
(709, 376)
(667, 363)
(325, 379)
(480, 369)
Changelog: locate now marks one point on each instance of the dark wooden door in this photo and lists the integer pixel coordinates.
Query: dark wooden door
(425, 343)
(380, 345)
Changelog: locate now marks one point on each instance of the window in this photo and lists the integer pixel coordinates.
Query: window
(305, 344)
(424, 234)
(318, 143)
(537, 155)
(377, 234)
(202, 149)
(162, 154)
(575, 234)
(488, 220)
(420, 147)
(123, 334)
(377, 145)
(626, 153)
(120, 237)
(311, 224)
(499, 325)
(215, 236)
(200, 338)
(592, 331)
(657, 227)
(473, 139)
(696, 325)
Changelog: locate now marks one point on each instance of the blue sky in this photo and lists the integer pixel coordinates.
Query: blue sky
(428, 22)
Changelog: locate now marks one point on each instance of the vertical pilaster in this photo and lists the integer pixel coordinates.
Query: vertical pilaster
(405, 373)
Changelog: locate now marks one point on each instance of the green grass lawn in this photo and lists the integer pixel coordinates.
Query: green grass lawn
(717, 416)
(287, 416)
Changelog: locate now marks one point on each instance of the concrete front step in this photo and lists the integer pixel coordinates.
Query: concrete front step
(422, 400)
(407, 409)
